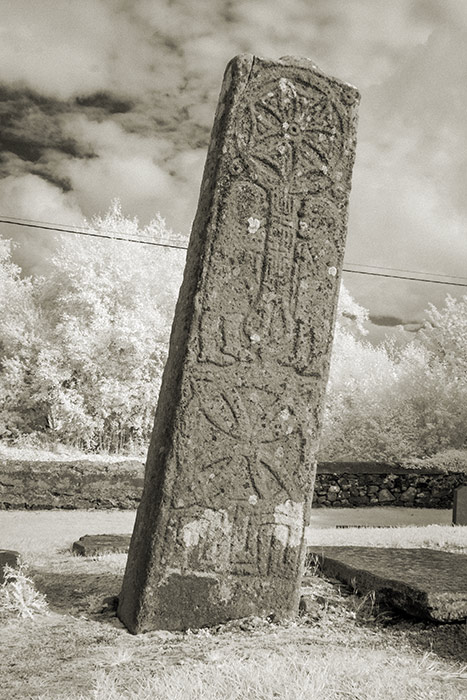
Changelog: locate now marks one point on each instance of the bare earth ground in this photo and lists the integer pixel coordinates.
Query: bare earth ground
(344, 648)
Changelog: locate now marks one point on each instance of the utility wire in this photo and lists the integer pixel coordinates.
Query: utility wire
(85, 232)
(401, 277)
(412, 272)
(110, 235)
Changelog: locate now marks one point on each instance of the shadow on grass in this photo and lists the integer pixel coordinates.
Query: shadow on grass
(446, 640)
(88, 594)
(91, 595)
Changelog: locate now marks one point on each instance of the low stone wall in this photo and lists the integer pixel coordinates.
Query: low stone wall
(43, 485)
(413, 490)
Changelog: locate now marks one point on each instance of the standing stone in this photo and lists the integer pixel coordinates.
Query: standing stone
(220, 529)
(459, 511)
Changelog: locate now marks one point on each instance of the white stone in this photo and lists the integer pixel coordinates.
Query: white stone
(253, 224)
(209, 521)
(288, 517)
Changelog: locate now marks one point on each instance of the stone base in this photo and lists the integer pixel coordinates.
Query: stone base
(93, 545)
(10, 557)
(425, 583)
(194, 600)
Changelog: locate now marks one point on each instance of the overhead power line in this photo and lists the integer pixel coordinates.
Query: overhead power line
(412, 272)
(85, 232)
(402, 277)
(29, 223)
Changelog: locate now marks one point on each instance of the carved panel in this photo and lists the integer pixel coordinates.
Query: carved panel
(266, 301)
(248, 440)
(244, 541)
(292, 134)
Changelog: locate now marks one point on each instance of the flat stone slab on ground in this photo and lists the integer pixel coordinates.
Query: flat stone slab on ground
(10, 557)
(424, 583)
(92, 545)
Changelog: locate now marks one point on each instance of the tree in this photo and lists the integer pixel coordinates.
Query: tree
(91, 358)
(107, 307)
(82, 352)
(359, 375)
(389, 403)
(445, 332)
(19, 344)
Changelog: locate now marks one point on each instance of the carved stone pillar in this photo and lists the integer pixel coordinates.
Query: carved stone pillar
(230, 471)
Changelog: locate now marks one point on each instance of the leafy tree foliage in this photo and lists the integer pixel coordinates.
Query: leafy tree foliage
(102, 318)
(445, 333)
(19, 346)
(389, 403)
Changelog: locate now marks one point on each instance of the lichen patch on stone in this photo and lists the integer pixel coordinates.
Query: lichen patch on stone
(289, 518)
(253, 224)
(210, 521)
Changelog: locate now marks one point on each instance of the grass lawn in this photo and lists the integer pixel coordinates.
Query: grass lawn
(62, 453)
(344, 648)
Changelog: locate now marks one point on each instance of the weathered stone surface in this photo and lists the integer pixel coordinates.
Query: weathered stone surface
(424, 583)
(10, 557)
(220, 530)
(92, 545)
(408, 494)
(459, 511)
(68, 485)
(385, 496)
(368, 487)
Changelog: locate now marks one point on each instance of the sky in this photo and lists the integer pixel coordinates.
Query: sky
(116, 98)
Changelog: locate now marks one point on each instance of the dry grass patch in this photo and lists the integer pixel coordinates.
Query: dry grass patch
(339, 656)
(341, 650)
(18, 595)
(320, 674)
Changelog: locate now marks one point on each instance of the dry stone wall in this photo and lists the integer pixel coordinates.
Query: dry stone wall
(35, 485)
(46, 485)
(413, 490)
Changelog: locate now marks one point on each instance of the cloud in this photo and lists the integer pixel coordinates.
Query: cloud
(69, 48)
(147, 174)
(408, 203)
(18, 195)
(386, 320)
(32, 138)
(357, 40)
(23, 194)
